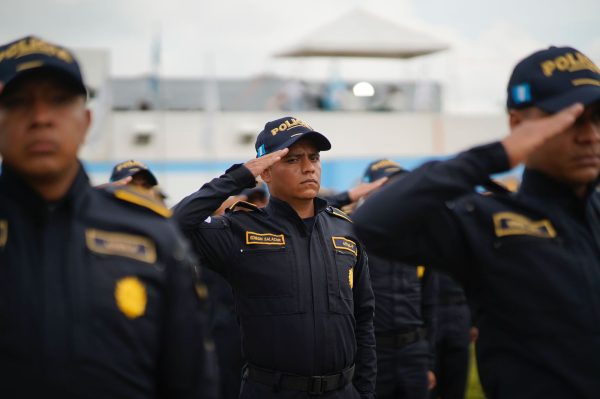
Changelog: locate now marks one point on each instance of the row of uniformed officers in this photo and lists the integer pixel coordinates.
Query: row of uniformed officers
(101, 297)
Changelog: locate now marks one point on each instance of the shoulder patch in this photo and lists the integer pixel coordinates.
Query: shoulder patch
(336, 212)
(509, 224)
(121, 244)
(3, 232)
(143, 198)
(242, 206)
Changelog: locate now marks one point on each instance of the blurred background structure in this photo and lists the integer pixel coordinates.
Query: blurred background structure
(185, 86)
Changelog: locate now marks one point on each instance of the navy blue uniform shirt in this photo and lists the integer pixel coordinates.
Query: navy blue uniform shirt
(97, 298)
(531, 261)
(303, 298)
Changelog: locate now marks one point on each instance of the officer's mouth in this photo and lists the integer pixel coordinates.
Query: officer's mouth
(310, 181)
(41, 147)
(587, 160)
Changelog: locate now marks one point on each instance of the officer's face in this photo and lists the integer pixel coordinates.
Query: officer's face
(43, 122)
(298, 175)
(573, 156)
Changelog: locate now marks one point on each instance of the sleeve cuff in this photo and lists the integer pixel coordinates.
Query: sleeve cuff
(242, 176)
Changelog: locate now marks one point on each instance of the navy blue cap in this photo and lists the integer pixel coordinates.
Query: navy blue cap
(382, 168)
(130, 168)
(553, 79)
(284, 132)
(30, 54)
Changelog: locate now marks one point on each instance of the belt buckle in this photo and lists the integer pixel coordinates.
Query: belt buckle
(316, 385)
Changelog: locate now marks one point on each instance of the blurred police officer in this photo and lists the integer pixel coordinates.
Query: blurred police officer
(454, 332)
(405, 296)
(96, 292)
(299, 275)
(136, 174)
(531, 260)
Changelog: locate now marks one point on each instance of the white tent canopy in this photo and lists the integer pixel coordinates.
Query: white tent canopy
(362, 34)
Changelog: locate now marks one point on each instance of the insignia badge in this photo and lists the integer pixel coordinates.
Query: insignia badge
(345, 244)
(253, 238)
(509, 224)
(351, 277)
(121, 244)
(131, 297)
(3, 232)
(420, 271)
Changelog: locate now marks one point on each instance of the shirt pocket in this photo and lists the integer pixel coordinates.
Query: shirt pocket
(342, 300)
(266, 282)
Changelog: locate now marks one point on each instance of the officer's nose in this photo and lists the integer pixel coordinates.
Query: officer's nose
(307, 165)
(41, 113)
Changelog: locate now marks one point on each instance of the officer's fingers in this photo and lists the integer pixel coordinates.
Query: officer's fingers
(530, 134)
(560, 121)
(379, 182)
(259, 165)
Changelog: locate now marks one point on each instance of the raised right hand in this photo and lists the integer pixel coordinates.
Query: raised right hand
(531, 134)
(259, 165)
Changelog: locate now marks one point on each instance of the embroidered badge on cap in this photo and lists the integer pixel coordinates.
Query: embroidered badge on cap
(344, 244)
(3, 232)
(509, 224)
(351, 277)
(131, 297)
(253, 238)
(121, 244)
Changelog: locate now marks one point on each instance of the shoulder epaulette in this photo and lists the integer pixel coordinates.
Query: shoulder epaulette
(336, 212)
(141, 197)
(242, 206)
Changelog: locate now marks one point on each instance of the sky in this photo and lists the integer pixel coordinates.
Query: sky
(237, 38)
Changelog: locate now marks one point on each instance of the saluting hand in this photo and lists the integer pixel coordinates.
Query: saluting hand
(531, 134)
(259, 165)
(364, 189)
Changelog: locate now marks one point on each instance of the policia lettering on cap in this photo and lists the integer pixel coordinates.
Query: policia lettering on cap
(299, 274)
(530, 260)
(97, 294)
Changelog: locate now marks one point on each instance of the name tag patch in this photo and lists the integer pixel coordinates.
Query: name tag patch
(509, 224)
(253, 238)
(345, 244)
(3, 232)
(121, 244)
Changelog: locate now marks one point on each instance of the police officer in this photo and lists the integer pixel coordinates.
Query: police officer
(136, 174)
(454, 332)
(530, 260)
(96, 292)
(405, 320)
(299, 275)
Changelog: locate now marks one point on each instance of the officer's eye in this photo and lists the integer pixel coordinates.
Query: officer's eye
(292, 159)
(315, 157)
(13, 101)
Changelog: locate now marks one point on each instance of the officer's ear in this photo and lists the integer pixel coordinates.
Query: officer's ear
(266, 175)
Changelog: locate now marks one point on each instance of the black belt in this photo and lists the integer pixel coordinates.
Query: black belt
(315, 385)
(400, 340)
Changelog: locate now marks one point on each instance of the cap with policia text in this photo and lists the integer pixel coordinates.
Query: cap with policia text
(32, 54)
(284, 132)
(382, 168)
(130, 168)
(553, 79)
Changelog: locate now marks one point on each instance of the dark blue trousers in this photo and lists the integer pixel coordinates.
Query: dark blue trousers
(452, 351)
(402, 372)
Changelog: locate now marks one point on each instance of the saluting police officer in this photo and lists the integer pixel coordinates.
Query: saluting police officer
(97, 294)
(405, 321)
(531, 260)
(299, 274)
